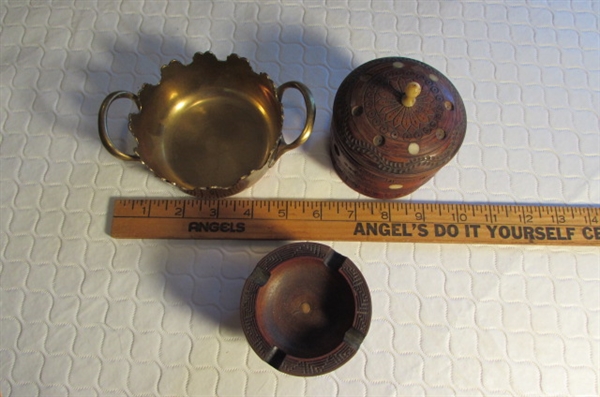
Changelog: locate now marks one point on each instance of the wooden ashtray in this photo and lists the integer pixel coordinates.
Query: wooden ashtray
(396, 122)
(305, 309)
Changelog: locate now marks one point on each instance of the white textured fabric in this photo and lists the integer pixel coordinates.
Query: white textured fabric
(84, 314)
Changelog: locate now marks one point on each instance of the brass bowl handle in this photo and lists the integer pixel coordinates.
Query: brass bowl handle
(102, 121)
(309, 102)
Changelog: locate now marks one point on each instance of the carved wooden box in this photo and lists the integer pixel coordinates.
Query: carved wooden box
(396, 122)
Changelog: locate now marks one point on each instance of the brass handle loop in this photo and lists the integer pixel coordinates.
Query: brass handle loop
(103, 120)
(311, 111)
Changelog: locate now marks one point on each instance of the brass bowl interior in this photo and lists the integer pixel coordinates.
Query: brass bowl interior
(207, 124)
(305, 308)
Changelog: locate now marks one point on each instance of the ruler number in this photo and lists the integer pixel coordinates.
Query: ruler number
(461, 217)
(419, 216)
(590, 220)
(247, 213)
(213, 212)
(385, 215)
(350, 214)
(526, 218)
(491, 218)
(316, 214)
(282, 213)
(179, 211)
(559, 219)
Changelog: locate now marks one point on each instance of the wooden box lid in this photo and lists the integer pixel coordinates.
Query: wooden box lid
(398, 116)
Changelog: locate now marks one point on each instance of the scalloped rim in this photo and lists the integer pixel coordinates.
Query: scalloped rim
(212, 191)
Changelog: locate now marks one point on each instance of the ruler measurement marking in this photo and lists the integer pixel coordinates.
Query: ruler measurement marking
(319, 220)
(586, 212)
(250, 204)
(590, 215)
(216, 211)
(489, 217)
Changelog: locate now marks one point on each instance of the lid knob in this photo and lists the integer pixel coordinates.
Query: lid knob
(411, 92)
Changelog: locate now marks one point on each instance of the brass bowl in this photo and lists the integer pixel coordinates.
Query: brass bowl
(211, 128)
(305, 309)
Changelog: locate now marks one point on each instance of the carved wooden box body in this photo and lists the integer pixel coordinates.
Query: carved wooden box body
(396, 122)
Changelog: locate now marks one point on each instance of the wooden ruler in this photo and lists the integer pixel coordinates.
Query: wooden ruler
(239, 219)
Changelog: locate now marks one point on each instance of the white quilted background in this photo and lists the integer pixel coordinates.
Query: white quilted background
(84, 314)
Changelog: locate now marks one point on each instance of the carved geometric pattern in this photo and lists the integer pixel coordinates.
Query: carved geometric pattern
(381, 100)
(291, 364)
(387, 113)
